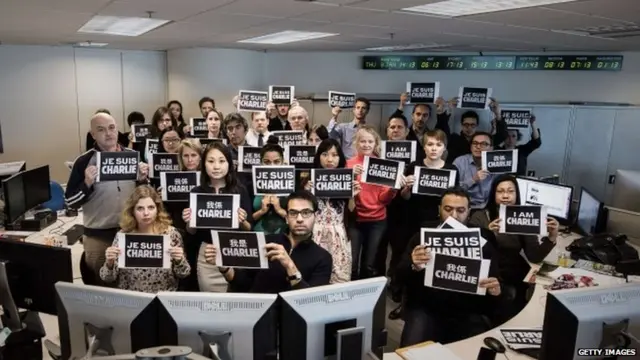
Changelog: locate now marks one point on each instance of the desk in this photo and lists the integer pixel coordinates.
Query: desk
(531, 316)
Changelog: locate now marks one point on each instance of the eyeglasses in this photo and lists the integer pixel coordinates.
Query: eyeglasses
(483, 144)
(170, 141)
(306, 213)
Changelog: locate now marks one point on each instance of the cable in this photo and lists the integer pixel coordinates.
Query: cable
(505, 355)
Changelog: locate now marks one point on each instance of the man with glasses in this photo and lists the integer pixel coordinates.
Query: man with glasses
(473, 179)
(459, 144)
(295, 260)
(235, 126)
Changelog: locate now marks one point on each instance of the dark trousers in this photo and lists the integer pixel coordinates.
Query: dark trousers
(191, 249)
(365, 239)
(422, 325)
(395, 236)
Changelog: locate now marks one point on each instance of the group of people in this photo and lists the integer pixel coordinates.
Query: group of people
(315, 241)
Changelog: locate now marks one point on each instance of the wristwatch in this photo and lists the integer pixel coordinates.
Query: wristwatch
(295, 277)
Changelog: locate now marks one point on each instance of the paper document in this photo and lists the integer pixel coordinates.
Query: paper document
(434, 351)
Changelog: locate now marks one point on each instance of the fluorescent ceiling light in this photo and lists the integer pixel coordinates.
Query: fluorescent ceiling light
(407, 47)
(285, 37)
(454, 8)
(90, 44)
(122, 26)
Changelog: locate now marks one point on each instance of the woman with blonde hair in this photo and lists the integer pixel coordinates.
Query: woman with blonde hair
(371, 213)
(145, 214)
(189, 155)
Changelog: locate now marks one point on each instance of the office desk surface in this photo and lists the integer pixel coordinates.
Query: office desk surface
(531, 316)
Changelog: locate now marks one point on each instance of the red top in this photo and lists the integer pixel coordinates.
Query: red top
(372, 200)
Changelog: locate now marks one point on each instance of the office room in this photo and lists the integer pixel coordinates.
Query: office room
(330, 179)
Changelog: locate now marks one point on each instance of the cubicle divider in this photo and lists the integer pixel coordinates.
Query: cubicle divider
(583, 144)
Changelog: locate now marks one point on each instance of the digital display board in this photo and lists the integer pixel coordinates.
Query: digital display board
(466, 62)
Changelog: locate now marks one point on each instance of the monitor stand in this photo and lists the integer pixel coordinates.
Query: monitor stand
(36, 222)
(159, 353)
(27, 331)
(98, 339)
(617, 336)
(216, 345)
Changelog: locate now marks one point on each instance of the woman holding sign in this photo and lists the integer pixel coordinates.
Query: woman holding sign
(217, 177)
(371, 212)
(269, 212)
(513, 267)
(144, 215)
(161, 120)
(176, 110)
(329, 230)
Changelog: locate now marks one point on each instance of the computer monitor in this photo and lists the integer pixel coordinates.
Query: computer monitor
(312, 320)
(555, 197)
(37, 186)
(626, 190)
(11, 168)
(105, 321)
(15, 202)
(32, 272)
(592, 215)
(590, 318)
(224, 325)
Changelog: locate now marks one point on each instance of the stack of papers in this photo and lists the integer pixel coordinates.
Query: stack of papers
(427, 351)
(522, 338)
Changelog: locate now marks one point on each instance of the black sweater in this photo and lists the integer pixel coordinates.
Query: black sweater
(442, 301)
(313, 262)
(423, 208)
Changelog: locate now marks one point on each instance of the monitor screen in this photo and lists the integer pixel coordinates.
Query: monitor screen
(33, 270)
(237, 326)
(556, 198)
(14, 198)
(588, 212)
(122, 321)
(37, 188)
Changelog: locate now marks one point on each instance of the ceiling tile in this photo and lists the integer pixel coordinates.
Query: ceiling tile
(401, 21)
(167, 9)
(625, 10)
(31, 20)
(542, 18)
(226, 23)
(182, 30)
(392, 4)
(289, 24)
(375, 32)
(274, 8)
(333, 14)
(88, 6)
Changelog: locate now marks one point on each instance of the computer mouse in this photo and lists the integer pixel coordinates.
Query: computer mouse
(494, 344)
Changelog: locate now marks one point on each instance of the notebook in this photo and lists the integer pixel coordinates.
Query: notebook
(427, 350)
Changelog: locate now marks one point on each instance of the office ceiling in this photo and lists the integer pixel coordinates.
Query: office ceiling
(360, 23)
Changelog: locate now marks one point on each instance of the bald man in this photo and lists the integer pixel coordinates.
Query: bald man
(298, 118)
(102, 202)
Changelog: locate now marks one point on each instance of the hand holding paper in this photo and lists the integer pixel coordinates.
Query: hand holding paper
(176, 253)
(277, 252)
(309, 185)
(480, 175)
(186, 215)
(552, 228)
(420, 256)
(111, 255)
(90, 174)
(495, 225)
(357, 187)
(491, 284)
(358, 169)
(210, 253)
(242, 215)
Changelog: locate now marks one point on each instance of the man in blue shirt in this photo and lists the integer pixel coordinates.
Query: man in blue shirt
(345, 132)
(473, 179)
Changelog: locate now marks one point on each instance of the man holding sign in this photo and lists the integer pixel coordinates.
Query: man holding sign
(345, 132)
(442, 315)
(102, 202)
(511, 143)
(295, 260)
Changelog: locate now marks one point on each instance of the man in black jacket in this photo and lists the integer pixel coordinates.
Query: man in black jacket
(440, 315)
(295, 260)
(278, 117)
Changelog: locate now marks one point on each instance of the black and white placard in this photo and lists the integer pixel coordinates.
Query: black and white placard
(214, 211)
(204, 142)
(382, 172)
(456, 273)
(249, 100)
(274, 180)
(516, 118)
(240, 249)
(281, 94)
(289, 137)
(161, 162)
(474, 98)
(455, 242)
(332, 183)
(522, 338)
(523, 219)
(300, 156)
(451, 223)
(150, 148)
(140, 132)
(250, 156)
(432, 182)
(199, 127)
(399, 150)
(117, 165)
(144, 251)
(500, 161)
(423, 93)
(176, 186)
(343, 100)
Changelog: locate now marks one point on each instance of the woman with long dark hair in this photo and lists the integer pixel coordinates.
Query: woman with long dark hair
(512, 265)
(217, 177)
(175, 107)
(162, 118)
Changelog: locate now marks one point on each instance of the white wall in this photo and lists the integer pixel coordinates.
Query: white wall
(196, 72)
(217, 73)
(48, 94)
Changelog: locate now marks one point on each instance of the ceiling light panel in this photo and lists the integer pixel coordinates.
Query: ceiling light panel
(455, 8)
(285, 37)
(121, 26)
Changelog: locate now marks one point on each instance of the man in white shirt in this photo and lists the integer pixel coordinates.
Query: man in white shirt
(258, 134)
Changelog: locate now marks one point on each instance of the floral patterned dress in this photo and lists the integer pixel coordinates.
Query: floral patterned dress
(329, 232)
